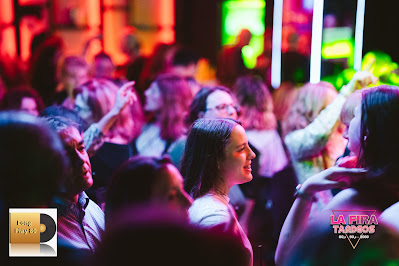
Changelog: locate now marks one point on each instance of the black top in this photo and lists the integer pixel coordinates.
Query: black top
(104, 163)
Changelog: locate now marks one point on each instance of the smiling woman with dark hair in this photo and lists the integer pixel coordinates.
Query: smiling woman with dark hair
(217, 156)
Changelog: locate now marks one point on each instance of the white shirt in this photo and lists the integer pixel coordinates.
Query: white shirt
(214, 211)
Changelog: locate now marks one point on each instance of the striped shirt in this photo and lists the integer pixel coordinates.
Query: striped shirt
(80, 225)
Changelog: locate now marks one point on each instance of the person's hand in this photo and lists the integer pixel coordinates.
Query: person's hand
(364, 78)
(333, 177)
(125, 96)
(360, 80)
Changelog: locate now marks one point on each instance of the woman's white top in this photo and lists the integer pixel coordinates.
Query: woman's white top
(214, 211)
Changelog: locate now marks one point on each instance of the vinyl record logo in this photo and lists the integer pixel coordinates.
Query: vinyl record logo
(47, 228)
(30, 229)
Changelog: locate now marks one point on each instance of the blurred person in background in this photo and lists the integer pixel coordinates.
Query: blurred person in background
(260, 124)
(22, 99)
(118, 114)
(72, 73)
(147, 181)
(134, 63)
(43, 68)
(314, 132)
(185, 65)
(167, 99)
(158, 63)
(230, 63)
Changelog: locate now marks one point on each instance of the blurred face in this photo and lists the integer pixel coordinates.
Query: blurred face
(153, 98)
(82, 108)
(29, 105)
(74, 78)
(172, 191)
(236, 168)
(81, 175)
(353, 132)
(220, 104)
(189, 71)
(103, 68)
(245, 38)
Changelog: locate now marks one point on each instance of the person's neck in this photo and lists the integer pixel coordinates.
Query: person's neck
(69, 91)
(70, 197)
(222, 190)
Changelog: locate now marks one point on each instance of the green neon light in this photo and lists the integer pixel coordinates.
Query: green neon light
(240, 14)
(338, 49)
(383, 67)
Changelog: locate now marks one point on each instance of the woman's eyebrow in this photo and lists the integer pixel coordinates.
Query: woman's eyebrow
(243, 144)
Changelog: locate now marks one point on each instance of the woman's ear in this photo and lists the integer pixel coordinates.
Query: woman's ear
(366, 135)
(201, 114)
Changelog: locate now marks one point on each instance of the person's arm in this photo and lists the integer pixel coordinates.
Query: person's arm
(125, 96)
(297, 218)
(312, 139)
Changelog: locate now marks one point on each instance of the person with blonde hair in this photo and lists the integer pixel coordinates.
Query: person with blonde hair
(96, 98)
(283, 99)
(312, 136)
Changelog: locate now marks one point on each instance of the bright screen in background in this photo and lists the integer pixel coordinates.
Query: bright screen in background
(338, 42)
(248, 14)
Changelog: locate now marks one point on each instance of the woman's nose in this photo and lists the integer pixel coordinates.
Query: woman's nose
(187, 200)
(345, 134)
(252, 155)
(231, 111)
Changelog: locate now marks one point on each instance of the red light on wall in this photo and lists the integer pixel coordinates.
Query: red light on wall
(8, 44)
(26, 38)
(7, 40)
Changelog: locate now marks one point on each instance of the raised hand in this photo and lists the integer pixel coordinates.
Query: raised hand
(360, 80)
(125, 96)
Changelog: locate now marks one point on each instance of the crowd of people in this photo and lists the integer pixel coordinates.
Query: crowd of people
(146, 165)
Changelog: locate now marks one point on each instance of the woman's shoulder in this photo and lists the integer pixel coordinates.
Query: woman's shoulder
(391, 216)
(209, 211)
(351, 199)
(209, 202)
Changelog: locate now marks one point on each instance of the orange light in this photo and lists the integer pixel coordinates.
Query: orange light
(6, 12)
(8, 45)
(166, 19)
(26, 38)
(8, 41)
(93, 13)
